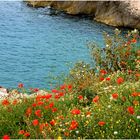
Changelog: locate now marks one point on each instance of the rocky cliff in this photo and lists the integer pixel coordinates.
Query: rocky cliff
(116, 13)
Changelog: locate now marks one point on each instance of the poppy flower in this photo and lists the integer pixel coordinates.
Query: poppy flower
(88, 113)
(61, 94)
(134, 94)
(28, 111)
(38, 97)
(38, 113)
(80, 97)
(130, 109)
(115, 95)
(55, 91)
(35, 122)
(54, 109)
(20, 85)
(73, 125)
(133, 40)
(137, 74)
(52, 122)
(95, 99)
(21, 132)
(51, 104)
(103, 72)
(5, 137)
(62, 87)
(39, 103)
(69, 87)
(35, 89)
(101, 78)
(120, 80)
(135, 102)
(101, 123)
(5, 102)
(15, 102)
(41, 126)
(108, 79)
(75, 111)
(66, 134)
(26, 134)
(57, 96)
(34, 105)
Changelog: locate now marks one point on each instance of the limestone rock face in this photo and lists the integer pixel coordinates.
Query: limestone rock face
(115, 13)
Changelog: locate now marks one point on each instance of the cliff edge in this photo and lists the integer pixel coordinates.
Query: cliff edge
(115, 13)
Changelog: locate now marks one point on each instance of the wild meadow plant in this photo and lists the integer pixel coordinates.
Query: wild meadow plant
(94, 103)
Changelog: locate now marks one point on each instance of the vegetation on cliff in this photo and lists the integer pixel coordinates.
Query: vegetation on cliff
(99, 101)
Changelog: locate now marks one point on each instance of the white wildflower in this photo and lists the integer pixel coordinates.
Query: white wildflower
(138, 117)
(77, 132)
(115, 132)
(109, 106)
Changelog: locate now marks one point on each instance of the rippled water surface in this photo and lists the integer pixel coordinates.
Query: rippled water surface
(34, 44)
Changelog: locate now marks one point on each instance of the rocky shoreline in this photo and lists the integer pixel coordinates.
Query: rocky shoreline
(115, 13)
(15, 94)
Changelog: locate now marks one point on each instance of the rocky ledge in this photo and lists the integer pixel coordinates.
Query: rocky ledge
(115, 13)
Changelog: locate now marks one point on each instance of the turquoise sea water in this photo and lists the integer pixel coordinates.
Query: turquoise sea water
(34, 44)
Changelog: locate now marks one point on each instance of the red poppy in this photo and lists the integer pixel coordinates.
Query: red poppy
(135, 102)
(120, 80)
(35, 89)
(51, 104)
(38, 113)
(5, 102)
(69, 87)
(48, 96)
(66, 134)
(62, 87)
(103, 72)
(101, 123)
(55, 91)
(80, 97)
(73, 125)
(130, 109)
(54, 109)
(46, 107)
(137, 74)
(20, 85)
(35, 122)
(28, 111)
(5, 137)
(133, 40)
(52, 122)
(26, 134)
(115, 95)
(34, 104)
(38, 97)
(134, 94)
(61, 94)
(46, 124)
(57, 96)
(21, 132)
(101, 78)
(41, 126)
(88, 113)
(130, 71)
(39, 103)
(108, 79)
(15, 102)
(95, 99)
(75, 111)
